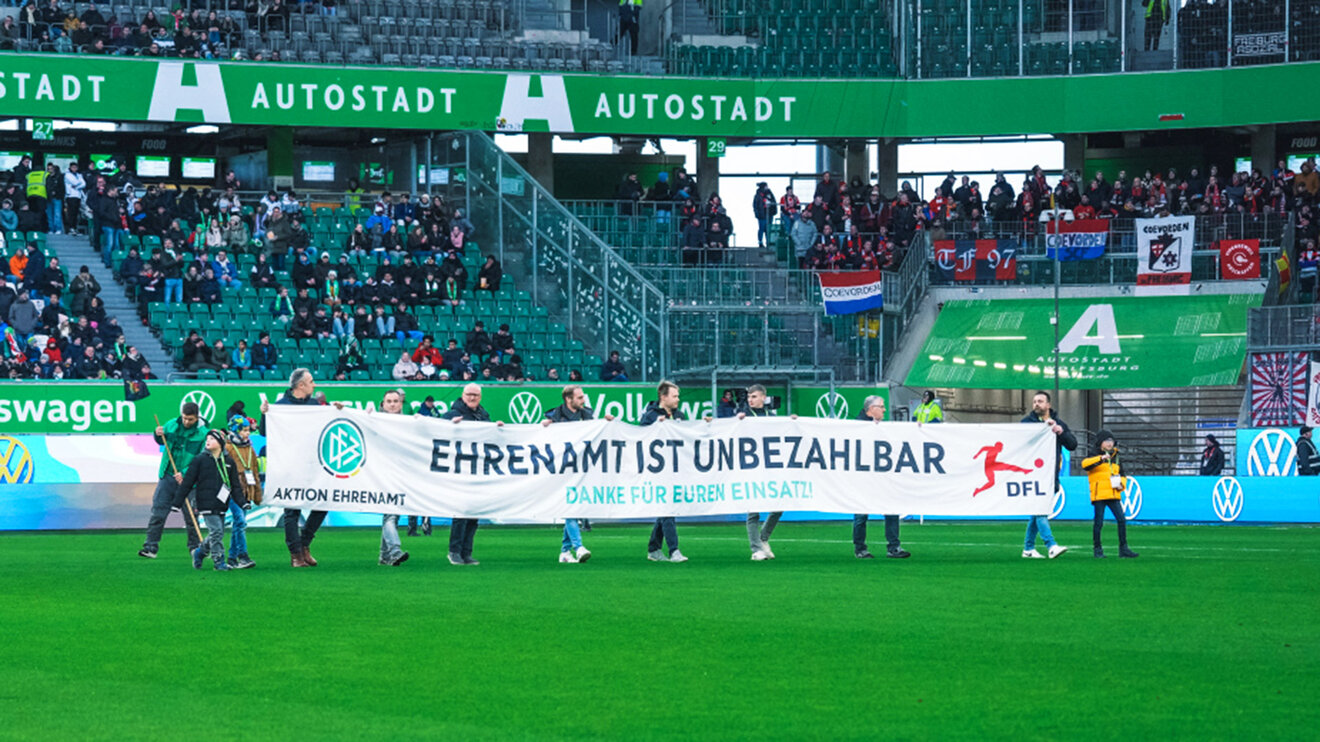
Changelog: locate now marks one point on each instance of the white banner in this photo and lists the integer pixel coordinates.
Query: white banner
(1164, 254)
(1313, 396)
(327, 459)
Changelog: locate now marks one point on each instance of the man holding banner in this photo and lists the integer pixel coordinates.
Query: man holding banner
(301, 391)
(462, 531)
(758, 536)
(574, 409)
(1041, 412)
(873, 408)
(391, 548)
(664, 407)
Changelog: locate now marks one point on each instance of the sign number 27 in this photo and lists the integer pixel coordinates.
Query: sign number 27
(43, 129)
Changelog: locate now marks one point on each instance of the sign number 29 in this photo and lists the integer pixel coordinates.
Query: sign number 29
(715, 147)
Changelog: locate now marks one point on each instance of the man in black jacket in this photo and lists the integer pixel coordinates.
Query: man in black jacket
(462, 531)
(301, 388)
(758, 536)
(1308, 460)
(1212, 458)
(664, 407)
(1041, 412)
(574, 409)
(873, 409)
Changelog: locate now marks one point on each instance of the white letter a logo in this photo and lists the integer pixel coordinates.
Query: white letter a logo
(1100, 316)
(170, 95)
(550, 106)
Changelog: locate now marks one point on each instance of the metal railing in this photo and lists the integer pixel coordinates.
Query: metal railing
(1284, 328)
(602, 300)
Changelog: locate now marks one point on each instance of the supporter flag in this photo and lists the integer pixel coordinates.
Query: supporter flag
(135, 389)
(847, 292)
(1239, 259)
(1164, 254)
(1083, 239)
(977, 260)
(1285, 272)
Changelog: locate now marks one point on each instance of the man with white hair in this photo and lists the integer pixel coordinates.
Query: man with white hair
(873, 409)
(462, 531)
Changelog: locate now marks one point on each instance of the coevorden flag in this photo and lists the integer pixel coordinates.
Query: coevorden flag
(849, 292)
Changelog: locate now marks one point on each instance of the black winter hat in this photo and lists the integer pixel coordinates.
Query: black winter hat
(1102, 436)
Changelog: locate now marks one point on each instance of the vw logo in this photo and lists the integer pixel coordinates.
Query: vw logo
(16, 466)
(1227, 499)
(1132, 499)
(1060, 499)
(1273, 453)
(342, 449)
(205, 405)
(525, 407)
(832, 400)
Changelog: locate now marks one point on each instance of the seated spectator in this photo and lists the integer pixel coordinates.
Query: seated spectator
(342, 325)
(130, 270)
(575, 375)
(693, 244)
(552, 375)
(265, 355)
(208, 289)
(83, 332)
(503, 341)
(456, 238)
(350, 360)
(226, 271)
(358, 243)
(344, 268)
(363, 326)
(196, 353)
(451, 355)
(490, 275)
(406, 326)
(53, 314)
(192, 285)
(321, 321)
(427, 351)
(240, 359)
(214, 237)
(322, 268)
(87, 365)
(384, 323)
(330, 290)
(220, 356)
(303, 325)
(612, 369)
(464, 224)
(237, 235)
(303, 299)
(453, 268)
(262, 274)
(303, 273)
(281, 307)
(433, 292)
(478, 341)
(406, 369)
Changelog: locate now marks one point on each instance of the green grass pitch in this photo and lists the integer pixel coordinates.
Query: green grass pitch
(1214, 633)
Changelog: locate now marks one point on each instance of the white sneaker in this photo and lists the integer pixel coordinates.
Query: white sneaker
(1032, 554)
(1056, 550)
(765, 547)
(582, 554)
(656, 556)
(566, 557)
(759, 556)
(677, 556)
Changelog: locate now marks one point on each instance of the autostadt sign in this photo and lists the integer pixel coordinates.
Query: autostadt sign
(100, 408)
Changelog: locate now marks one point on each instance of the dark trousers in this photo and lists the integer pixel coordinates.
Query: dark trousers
(1154, 25)
(666, 528)
(38, 206)
(413, 520)
(298, 539)
(72, 212)
(162, 501)
(859, 532)
(1115, 507)
(462, 531)
(628, 27)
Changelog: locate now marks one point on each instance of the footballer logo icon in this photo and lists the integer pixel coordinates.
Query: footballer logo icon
(993, 465)
(16, 466)
(1227, 499)
(205, 404)
(832, 404)
(525, 407)
(1273, 453)
(1132, 499)
(342, 450)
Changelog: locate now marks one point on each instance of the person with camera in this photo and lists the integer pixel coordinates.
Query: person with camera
(1107, 485)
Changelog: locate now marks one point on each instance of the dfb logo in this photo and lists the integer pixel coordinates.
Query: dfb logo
(1060, 500)
(1227, 498)
(525, 407)
(205, 404)
(832, 404)
(1273, 453)
(1132, 499)
(342, 449)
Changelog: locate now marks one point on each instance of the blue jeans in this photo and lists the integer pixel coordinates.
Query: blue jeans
(762, 230)
(174, 287)
(342, 328)
(55, 214)
(410, 334)
(666, 528)
(1038, 524)
(109, 243)
(384, 326)
(237, 536)
(572, 535)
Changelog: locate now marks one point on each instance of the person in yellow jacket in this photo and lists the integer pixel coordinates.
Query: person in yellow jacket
(1107, 485)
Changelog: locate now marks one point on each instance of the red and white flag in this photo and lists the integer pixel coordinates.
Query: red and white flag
(1239, 259)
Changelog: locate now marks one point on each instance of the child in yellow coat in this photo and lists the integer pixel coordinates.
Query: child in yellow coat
(1107, 485)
